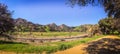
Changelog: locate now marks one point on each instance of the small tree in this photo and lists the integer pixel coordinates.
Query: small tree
(107, 25)
(6, 22)
(31, 28)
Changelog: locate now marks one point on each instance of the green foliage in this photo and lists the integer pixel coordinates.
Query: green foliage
(78, 28)
(64, 46)
(47, 29)
(110, 25)
(83, 28)
(107, 25)
(51, 49)
(47, 34)
(117, 25)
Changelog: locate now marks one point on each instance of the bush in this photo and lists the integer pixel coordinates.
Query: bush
(64, 46)
(51, 49)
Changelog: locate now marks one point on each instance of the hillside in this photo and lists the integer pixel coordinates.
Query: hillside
(27, 25)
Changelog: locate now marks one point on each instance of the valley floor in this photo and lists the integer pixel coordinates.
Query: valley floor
(80, 49)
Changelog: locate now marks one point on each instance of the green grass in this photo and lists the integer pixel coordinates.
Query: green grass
(48, 48)
(77, 42)
(46, 34)
(26, 48)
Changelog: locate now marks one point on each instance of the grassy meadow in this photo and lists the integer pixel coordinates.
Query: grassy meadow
(46, 34)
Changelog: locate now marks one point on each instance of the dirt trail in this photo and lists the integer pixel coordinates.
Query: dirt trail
(3, 52)
(74, 50)
(79, 49)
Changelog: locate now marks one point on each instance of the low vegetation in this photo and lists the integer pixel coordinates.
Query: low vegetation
(46, 34)
(47, 47)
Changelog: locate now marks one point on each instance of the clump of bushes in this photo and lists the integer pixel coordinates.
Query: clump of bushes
(64, 46)
(51, 49)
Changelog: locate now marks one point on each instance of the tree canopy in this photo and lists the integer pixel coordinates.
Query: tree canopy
(112, 7)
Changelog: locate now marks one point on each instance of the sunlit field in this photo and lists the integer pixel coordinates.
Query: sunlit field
(47, 34)
(45, 47)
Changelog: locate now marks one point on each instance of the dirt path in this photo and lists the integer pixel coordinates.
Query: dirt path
(79, 49)
(3, 52)
(74, 50)
(51, 39)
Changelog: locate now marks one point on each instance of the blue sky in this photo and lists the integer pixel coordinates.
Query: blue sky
(54, 11)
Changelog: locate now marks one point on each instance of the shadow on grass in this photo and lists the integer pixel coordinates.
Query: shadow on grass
(9, 37)
(104, 46)
(10, 42)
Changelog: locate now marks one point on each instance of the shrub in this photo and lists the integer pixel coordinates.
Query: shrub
(51, 49)
(64, 46)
